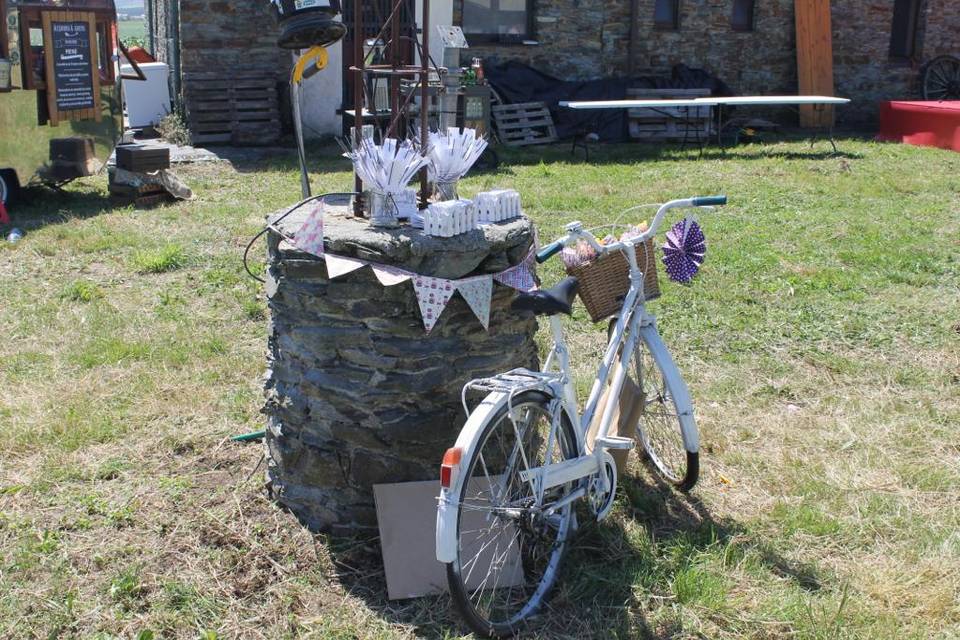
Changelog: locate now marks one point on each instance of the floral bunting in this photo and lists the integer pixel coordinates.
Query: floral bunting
(478, 292)
(519, 277)
(309, 237)
(433, 294)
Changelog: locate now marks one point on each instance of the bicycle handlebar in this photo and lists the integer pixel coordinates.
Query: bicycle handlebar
(575, 232)
(549, 251)
(709, 201)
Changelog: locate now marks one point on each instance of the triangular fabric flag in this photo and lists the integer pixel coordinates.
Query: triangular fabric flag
(477, 292)
(433, 294)
(339, 266)
(519, 277)
(309, 237)
(390, 276)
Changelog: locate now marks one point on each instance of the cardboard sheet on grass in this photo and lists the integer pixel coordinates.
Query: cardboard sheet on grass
(407, 516)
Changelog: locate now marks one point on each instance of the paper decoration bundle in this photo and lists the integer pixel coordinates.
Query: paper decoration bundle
(498, 205)
(453, 152)
(449, 218)
(389, 167)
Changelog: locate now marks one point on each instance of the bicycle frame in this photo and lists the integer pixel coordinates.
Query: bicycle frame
(620, 350)
(556, 380)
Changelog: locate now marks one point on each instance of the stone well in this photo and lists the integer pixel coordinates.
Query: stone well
(357, 392)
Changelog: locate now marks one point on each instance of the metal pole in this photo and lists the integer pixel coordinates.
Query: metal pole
(359, 63)
(395, 62)
(298, 131)
(424, 98)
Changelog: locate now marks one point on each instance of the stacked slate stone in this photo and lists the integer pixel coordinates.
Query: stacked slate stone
(357, 392)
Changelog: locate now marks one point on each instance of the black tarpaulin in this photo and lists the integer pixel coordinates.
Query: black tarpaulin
(516, 82)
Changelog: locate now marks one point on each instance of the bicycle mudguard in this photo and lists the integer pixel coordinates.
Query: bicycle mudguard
(467, 442)
(684, 405)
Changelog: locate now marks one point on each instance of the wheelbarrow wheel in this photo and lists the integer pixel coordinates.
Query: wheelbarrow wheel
(941, 79)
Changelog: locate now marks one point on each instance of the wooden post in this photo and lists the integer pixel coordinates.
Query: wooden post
(814, 59)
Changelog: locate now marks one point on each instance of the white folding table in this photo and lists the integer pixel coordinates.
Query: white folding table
(661, 106)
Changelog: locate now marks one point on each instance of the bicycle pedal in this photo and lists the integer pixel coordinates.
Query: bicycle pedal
(616, 442)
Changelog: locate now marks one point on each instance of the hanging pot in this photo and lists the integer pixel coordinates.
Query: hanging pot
(308, 23)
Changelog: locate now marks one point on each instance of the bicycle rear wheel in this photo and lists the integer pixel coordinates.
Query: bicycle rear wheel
(509, 549)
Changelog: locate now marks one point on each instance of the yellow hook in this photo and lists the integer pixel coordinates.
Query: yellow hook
(316, 55)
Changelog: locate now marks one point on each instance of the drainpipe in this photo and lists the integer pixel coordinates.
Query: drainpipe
(173, 50)
(634, 36)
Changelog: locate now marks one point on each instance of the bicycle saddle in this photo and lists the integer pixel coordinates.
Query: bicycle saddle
(548, 302)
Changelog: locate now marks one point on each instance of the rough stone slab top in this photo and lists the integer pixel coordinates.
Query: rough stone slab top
(489, 249)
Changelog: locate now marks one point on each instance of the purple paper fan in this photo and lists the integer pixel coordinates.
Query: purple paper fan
(684, 250)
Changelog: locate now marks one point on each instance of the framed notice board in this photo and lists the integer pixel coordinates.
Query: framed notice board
(71, 66)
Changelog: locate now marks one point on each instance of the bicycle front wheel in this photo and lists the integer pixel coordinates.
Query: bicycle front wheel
(671, 442)
(670, 445)
(510, 544)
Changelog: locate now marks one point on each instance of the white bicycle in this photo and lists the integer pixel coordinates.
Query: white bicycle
(522, 460)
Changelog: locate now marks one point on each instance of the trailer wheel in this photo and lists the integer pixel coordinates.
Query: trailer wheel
(9, 186)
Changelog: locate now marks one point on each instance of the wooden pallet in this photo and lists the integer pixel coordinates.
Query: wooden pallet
(241, 111)
(142, 197)
(669, 123)
(524, 123)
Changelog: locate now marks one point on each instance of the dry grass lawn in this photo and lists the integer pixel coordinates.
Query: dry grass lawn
(821, 342)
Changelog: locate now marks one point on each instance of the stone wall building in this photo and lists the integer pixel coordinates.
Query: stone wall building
(749, 44)
(879, 46)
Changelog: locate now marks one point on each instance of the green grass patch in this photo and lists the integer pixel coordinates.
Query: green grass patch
(170, 257)
(82, 291)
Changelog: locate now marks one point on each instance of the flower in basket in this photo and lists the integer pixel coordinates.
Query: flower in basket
(578, 255)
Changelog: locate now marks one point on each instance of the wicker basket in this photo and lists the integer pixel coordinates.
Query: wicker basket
(605, 281)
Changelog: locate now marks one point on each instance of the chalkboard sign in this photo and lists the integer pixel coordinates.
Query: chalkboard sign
(72, 65)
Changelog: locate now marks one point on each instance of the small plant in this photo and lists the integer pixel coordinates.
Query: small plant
(81, 291)
(168, 258)
(254, 309)
(134, 41)
(125, 588)
(173, 128)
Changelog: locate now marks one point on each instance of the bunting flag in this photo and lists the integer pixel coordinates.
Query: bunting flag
(519, 277)
(339, 266)
(433, 294)
(390, 276)
(478, 293)
(309, 237)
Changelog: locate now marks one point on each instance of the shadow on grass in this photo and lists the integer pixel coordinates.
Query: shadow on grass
(613, 576)
(39, 207)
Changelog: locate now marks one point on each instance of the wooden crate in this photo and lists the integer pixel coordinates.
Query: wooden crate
(240, 111)
(669, 123)
(524, 123)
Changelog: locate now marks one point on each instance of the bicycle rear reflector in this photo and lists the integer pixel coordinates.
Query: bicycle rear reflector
(451, 461)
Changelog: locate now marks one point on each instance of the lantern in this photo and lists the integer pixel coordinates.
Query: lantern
(308, 23)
